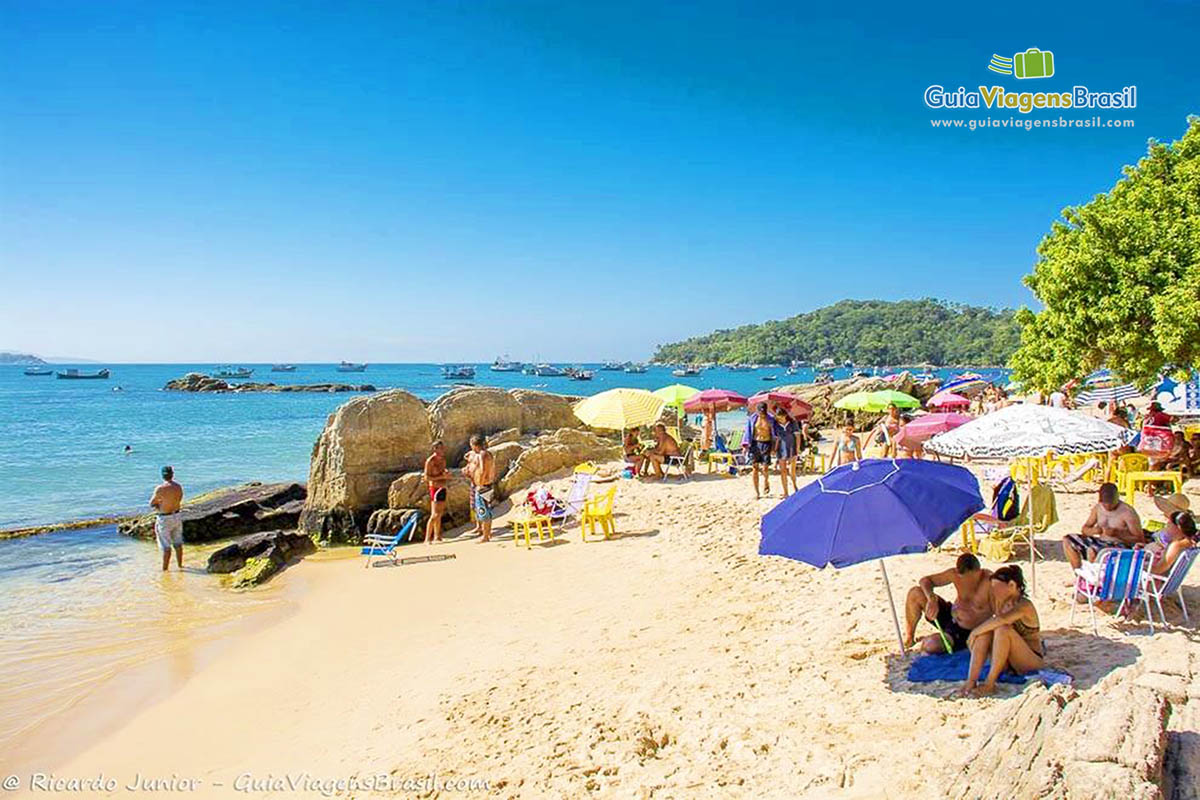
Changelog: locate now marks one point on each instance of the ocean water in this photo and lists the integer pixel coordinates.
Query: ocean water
(61, 442)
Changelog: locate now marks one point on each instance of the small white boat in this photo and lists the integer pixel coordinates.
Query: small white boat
(549, 371)
(578, 374)
(350, 366)
(504, 365)
(612, 366)
(75, 375)
(635, 369)
(283, 368)
(458, 371)
(233, 372)
(38, 371)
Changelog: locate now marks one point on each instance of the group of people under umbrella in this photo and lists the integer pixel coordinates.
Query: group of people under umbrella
(870, 509)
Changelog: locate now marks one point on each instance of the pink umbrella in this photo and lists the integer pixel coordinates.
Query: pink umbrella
(929, 425)
(714, 400)
(948, 400)
(795, 407)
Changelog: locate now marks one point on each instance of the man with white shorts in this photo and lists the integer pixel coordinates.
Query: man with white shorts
(168, 525)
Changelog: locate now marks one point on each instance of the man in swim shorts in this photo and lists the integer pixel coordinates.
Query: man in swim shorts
(972, 605)
(1112, 523)
(437, 476)
(168, 525)
(760, 440)
(481, 470)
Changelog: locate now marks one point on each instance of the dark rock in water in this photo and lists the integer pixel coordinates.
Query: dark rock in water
(256, 557)
(240, 510)
(195, 382)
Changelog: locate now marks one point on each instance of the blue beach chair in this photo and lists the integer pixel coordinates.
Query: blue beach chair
(1117, 576)
(383, 545)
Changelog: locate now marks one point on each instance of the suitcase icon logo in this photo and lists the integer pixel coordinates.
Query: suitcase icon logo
(1033, 63)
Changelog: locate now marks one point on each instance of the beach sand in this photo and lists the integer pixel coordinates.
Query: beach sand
(671, 662)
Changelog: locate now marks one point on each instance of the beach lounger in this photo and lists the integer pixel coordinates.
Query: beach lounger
(383, 545)
(1117, 575)
(1086, 470)
(1160, 586)
(566, 510)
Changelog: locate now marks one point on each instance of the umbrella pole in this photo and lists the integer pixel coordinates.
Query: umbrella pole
(892, 605)
(1032, 548)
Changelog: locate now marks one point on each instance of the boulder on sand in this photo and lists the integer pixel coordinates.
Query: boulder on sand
(552, 452)
(367, 443)
(257, 557)
(249, 508)
(822, 396)
(543, 411)
(410, 491)
(461, 413)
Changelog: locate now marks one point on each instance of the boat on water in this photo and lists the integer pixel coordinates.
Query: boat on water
(73, 374)
(283, 368)
(613, 366)
(504, 365)
(579, 374)
(38, 371)
(458, 371)
(861, 373)
(233, 372)
(635, 369)
(790, 371)
(350, 366)
(549, 371)
(827, 363)
(769, 378)
(738, 367)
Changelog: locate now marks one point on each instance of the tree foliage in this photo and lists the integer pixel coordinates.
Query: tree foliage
(1119, 278)
(875, 332)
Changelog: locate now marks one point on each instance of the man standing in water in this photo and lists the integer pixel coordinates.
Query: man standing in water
(168, 527)
(437, 477)
(481, 470)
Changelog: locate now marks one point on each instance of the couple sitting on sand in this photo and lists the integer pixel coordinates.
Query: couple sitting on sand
(990, 616)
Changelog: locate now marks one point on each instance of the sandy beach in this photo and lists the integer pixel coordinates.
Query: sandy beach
(672, 661)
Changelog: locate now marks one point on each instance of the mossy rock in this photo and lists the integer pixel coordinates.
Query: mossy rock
(255, 571)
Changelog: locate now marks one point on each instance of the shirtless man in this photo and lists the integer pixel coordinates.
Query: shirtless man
(657, 455)
(168, 527)
(1112, 523)
(972, 605)
(437, 476)
(481, 470)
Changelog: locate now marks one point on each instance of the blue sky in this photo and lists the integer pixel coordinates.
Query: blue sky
(573, 181)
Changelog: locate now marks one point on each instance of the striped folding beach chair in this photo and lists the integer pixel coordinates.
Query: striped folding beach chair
(383, 545)
(1116, 576)
(1160, 586)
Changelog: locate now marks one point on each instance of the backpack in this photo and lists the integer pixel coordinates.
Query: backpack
(1006, 503)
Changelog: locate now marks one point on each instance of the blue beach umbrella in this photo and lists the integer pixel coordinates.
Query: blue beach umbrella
(869, 510)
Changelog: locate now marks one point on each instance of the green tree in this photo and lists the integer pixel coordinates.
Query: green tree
(1119, 278)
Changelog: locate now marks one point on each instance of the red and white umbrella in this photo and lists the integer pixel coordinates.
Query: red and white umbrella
(794, 406)
(944, 399)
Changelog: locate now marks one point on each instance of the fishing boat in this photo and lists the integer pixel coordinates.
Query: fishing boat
(283, 368)
(38, 371)
(579, 374)
(458, 371)
(549, 371)
(73, 374)
(233, 372)
(504, 365)
(350, 366)
(635, 369)
(613, 366)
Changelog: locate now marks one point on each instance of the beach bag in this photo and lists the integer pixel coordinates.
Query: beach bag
(1156, 441)
(1006, 502)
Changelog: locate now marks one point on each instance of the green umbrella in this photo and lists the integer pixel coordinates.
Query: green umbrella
(876, 401)
(676, 394)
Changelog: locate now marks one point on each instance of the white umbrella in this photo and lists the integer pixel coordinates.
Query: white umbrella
(1029, 431)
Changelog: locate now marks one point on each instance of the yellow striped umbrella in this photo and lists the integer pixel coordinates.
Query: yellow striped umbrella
(618, 409)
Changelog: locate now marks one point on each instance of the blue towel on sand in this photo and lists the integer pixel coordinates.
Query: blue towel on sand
(951, 667)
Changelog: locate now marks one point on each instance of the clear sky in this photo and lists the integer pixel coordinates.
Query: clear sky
(437, 181)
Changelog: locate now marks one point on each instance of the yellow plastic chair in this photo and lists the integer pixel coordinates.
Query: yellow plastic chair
(598, 510)
(1026, 470)
(588, 467)
(1129, 462)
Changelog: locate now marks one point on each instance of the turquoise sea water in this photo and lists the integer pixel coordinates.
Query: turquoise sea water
(61, 441)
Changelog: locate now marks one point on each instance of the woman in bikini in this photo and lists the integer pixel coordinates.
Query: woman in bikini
(888, 430)
(846, 449)
(633, 451)
(1012, 637)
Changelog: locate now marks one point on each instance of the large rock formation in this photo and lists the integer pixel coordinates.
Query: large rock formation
(1054, 743)
(552, 452)
(367, 443)
(822, 396)
(410, 491)
(257, 557)
(373, 447)
(231, 512)
(196, 382)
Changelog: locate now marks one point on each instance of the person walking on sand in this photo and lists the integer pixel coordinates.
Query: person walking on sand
(168, 527)
(481, 470)
(760, 440)
(787, 448)
(437, 476)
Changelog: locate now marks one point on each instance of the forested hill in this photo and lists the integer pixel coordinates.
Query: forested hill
(867, 332)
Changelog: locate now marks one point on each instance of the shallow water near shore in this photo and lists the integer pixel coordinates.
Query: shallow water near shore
(78, 608)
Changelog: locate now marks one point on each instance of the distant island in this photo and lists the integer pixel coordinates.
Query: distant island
(24, 359)
(866, 332)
